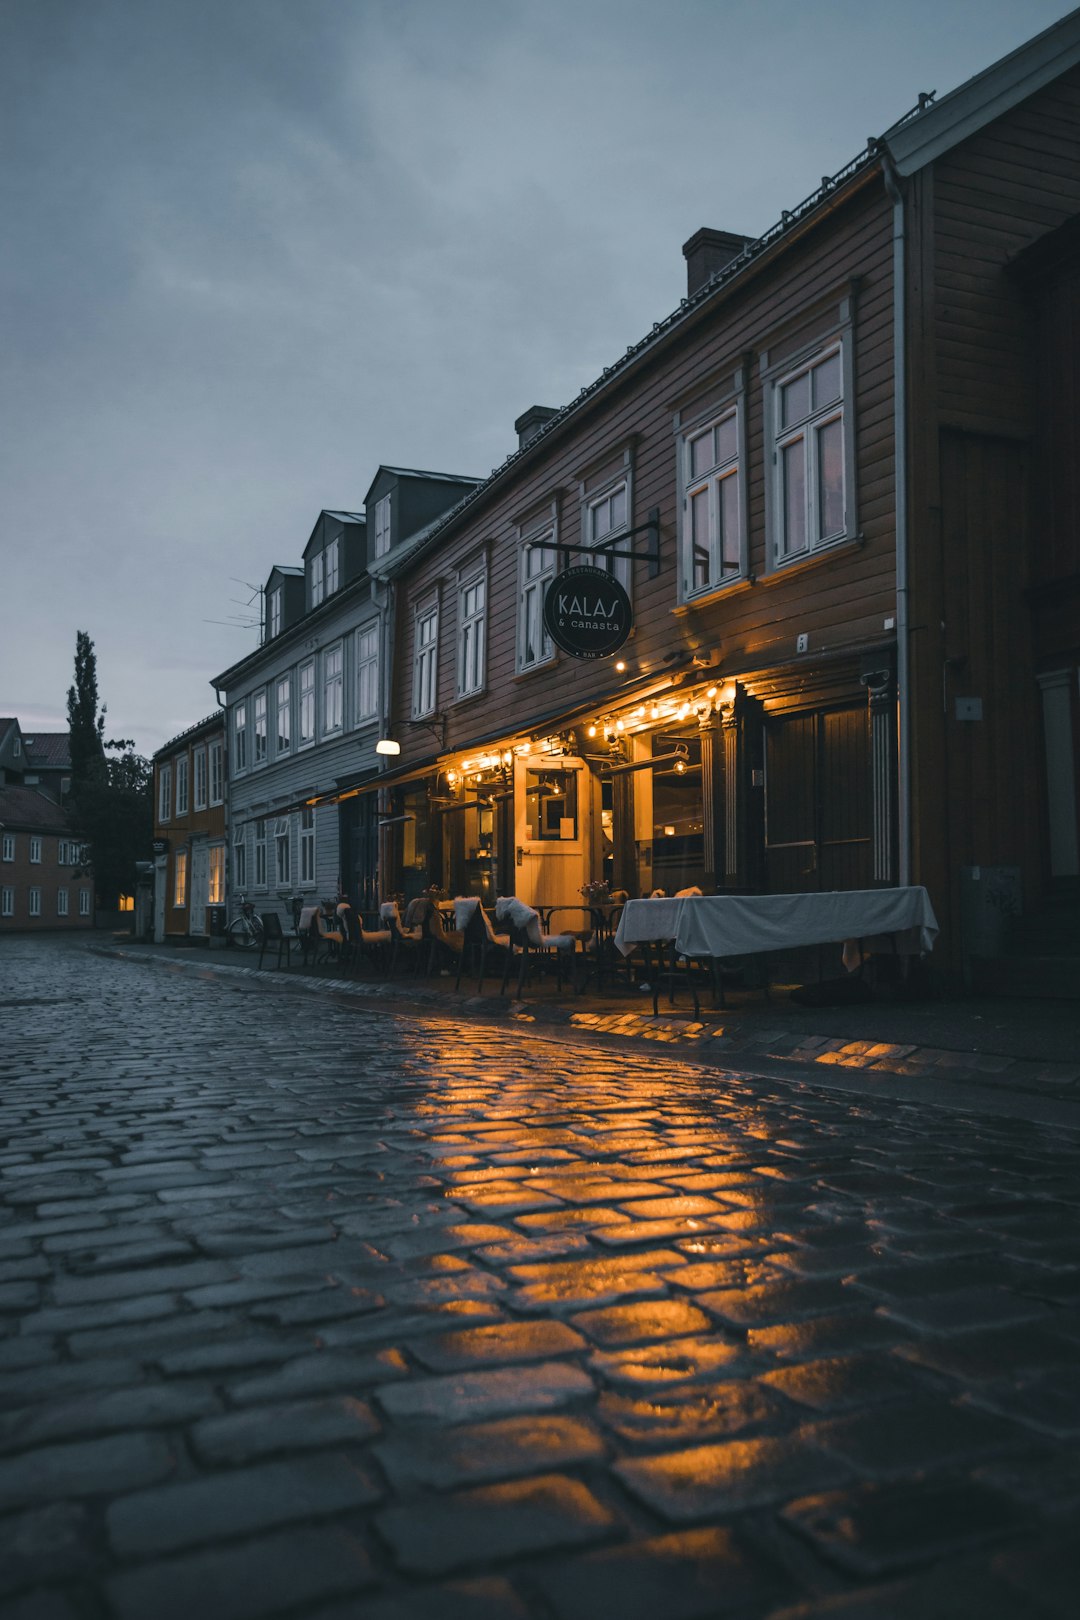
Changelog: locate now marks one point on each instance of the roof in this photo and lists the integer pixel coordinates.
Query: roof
(414, 472)
(386, 566)
(212, 722)
(345, 517)
(288, 570)
(25, 807)
(49, 748)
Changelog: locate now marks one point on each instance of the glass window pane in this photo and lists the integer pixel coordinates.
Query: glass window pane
(729, 523)
(701, 454)
(830, 473)
(700, 538)
(726, 440)
(794, 486)
(618, 508)
(795, 400)
(828, 384)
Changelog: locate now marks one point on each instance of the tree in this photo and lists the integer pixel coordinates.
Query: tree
(111, 800)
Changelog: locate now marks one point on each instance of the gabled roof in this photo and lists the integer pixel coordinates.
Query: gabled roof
(976, 103)
(414, 472)
(386, 566)
(26, 808)
(49, 749)
(213, 722)
(345, 517)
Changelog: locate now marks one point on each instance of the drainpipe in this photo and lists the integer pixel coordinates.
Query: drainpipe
(900, 448)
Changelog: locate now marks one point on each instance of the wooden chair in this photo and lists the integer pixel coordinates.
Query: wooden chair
(274, 935)
(330, 939)
(404, 942)
(478, 938)
(362, 944)
(530, 943)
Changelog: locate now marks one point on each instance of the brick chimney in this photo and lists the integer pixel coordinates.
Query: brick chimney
(531, 421)
(708, 251)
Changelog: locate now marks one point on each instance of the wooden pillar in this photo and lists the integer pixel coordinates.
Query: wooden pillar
(881, 698)
(712, 802)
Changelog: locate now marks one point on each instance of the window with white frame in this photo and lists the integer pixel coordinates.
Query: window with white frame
(307, 847)
(199, 759)
(84, 902)
(35, 851)
(164, 811)
(258, 706)
(284, 715)
(607, 515)
(282, 864)
(809, 506)
(425, 654)
(16, 746)
(275, 612)
(239, 856)
(316, 578)
(367, 673)
(307, 703)
(240, 737)
(180, 878)
(332, 688)
(34, 898)
(61, 902)
(217, 773)
(215, 890)
(7, 902)
(472, 622)
(9, 847)
(712, 524)
(61, 852)
(182, 785)
(382, 526)
(538, 563)
(332, 566)
(260, 854)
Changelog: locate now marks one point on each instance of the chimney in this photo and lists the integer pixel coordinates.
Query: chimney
(708, 251)
(531, 421)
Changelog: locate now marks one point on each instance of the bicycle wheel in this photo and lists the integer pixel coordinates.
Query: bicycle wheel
(242, 932)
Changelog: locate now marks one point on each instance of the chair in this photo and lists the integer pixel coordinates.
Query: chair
(273, 934)
(477, 937)
(330, 939)
(404, 942)
(307, 933)
(362, 942)
(530, 942)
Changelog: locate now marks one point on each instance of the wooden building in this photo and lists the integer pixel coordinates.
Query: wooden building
(189, 831)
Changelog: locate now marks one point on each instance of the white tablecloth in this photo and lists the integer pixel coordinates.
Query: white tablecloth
(739, 924)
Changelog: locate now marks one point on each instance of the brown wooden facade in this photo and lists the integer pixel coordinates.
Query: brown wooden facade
(189, 831)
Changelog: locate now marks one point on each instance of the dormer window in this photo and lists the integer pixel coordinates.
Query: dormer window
(315, 569)
(382, 526)
(332, 566)
(275, 612)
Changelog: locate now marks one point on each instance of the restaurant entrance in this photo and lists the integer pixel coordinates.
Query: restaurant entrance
(818, 802)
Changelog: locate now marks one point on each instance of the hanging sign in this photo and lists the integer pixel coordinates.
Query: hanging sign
(587, 613)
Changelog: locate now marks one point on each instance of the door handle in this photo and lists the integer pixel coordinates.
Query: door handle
(520, 854)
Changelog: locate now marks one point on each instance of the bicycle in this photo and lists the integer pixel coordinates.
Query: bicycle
(246, 931)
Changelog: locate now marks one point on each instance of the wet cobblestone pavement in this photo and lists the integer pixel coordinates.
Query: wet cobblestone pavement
(311, 1310)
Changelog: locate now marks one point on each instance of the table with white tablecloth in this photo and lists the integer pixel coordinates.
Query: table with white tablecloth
(721, 925)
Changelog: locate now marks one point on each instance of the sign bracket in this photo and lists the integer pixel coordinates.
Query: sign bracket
(607, 549)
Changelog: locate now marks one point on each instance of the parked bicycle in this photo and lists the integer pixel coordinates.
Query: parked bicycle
(246, 930)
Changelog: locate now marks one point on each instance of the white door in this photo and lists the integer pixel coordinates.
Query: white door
(200, 887)
(551, 831)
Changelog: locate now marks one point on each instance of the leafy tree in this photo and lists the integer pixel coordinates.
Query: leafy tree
(111, 799)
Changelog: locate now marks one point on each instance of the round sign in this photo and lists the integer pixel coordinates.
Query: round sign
(587, 613)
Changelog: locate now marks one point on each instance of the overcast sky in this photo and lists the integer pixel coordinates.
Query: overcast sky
(253, 248)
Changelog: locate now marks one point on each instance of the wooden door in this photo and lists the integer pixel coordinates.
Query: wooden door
(199, 887)
(818, 801)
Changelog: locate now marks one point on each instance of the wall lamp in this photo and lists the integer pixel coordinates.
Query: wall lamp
(387, 745)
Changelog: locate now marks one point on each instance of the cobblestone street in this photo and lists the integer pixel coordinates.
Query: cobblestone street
(314, 1310)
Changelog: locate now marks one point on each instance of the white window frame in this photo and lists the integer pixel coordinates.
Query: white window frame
(199, 771)
(7, 901)
(594, 536)
(182, 777)
(9, 847)
(538, 563)
(316, 583)
(180, 880)
(709, 490)
(275, 611)
(240, 737)
(239, 852)
(35, 851)
(217, 772)
(259, 870)
(333, 696)
(84, 902)
(307, 847)
(783, 548)
(332, 567)
(382, 526)
(425, 691)
(62, 903)
(472, 634)
(260, 739)
(282, 711)
(215, 879)
(282, 853)
(164, 792)
(34, 902)
(367, 673)
(306, 717)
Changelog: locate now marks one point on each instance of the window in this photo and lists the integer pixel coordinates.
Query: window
(260, 854)
(35, 902)
(315, 577)
(282, 866)
(259, 728)
(538, 558)
(16, 746)
(164, 792)
(217, 773)
(35, 851)
(307, 847)
(810, 454)
(180, 878)
(84, 902)
(199, 757)
(284, 714)
(275, 612)
(61, 902)
(240, 737)
(7, 902)
(382, 526)
(471, 626)
(215, 890)
(332, 689)
(332, 566)
(239, 855)
(712, 527)
(606, 516)
(367, 673)
(182, 785)
(307, 703)
(425, 649)
(9, 847)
